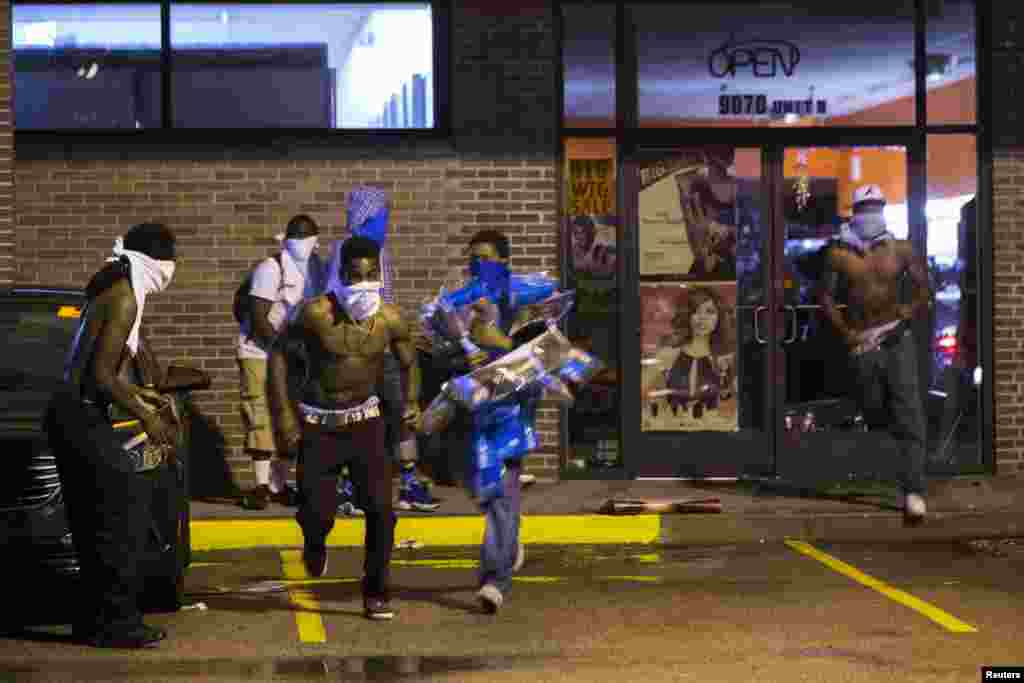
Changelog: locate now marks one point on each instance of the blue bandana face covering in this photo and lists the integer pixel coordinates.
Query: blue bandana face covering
(494, 274)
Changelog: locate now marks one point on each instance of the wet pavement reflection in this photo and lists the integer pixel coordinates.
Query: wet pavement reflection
(377, 668)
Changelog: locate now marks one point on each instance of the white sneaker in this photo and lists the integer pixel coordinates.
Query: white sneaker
(520, 558)
(490, 598)
(527, 480)
(914, 507)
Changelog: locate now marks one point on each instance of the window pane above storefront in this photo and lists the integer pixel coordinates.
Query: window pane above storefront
(588, 59)
(350, 65)
(81, 65)
(803, 62)
(952, 62)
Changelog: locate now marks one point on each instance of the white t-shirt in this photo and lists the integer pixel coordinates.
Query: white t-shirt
(266, 284)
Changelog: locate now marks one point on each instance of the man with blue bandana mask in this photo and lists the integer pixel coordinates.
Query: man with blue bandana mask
(279, 285)
(368, 214)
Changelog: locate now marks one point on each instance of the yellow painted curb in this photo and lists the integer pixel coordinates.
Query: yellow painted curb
(236, 534)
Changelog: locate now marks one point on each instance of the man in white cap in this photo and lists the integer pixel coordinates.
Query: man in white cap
(885, 285)
(279, 285)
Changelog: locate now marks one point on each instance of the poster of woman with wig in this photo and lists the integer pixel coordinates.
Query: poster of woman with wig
(590, 218)
(688, 216)
(688, 357)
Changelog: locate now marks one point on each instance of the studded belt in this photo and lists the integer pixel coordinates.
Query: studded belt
(338, 419)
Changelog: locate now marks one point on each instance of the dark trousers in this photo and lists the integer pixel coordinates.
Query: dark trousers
(389, 390)
(321, 458)
(890, 394)
(108, 509)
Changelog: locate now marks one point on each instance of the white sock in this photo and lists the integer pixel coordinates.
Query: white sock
(278, 475)
(262, 470)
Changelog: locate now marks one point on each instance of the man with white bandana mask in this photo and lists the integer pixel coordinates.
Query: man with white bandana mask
(337, 422)
(367, 215)
(885, 285)
(279, 285)
(107, 502)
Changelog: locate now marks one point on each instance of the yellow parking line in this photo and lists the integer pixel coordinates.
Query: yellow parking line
(307, 618)
(944, 619)
(230, 534)
(639, 579)
(539, 579)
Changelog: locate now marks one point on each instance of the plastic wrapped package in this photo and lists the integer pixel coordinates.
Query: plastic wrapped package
(448, 317)
(548, 363)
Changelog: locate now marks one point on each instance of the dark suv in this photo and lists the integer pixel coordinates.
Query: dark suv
(37, 326)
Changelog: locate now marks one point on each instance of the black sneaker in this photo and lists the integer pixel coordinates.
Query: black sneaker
(315, 559)
(378, 609)
(287, 496)
(135, 638)
(257, 499)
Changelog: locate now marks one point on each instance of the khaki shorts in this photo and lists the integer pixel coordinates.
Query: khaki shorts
(255, 410)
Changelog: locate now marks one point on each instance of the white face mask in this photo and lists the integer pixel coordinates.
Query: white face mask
(301, 249)
(868, 226)
(166, 273)
(362, 300)
(155, 274)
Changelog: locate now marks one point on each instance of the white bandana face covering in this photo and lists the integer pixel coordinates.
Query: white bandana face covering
(868, 226)
(301, 249)
(149, 276)
(360, 301)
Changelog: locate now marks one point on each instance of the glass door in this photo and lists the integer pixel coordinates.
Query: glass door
(822, 435)
(698, 325)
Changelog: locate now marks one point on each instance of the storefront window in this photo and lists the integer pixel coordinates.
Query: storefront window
(952, 61)
(804, 63)
(588, 58)
(954, 395)
(86, 66)
(589, 236)
(302, 65)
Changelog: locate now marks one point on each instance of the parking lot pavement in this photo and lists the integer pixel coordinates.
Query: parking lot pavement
(770, 612)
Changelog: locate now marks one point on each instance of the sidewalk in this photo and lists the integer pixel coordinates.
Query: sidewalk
(567, 512)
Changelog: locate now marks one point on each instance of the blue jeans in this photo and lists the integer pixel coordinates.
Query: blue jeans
(501, 531)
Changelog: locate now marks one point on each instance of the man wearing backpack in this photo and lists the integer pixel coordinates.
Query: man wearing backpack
(265, 302)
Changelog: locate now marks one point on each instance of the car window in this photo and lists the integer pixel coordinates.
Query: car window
(34, 338)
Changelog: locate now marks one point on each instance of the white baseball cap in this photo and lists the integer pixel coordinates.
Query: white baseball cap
(868, 193)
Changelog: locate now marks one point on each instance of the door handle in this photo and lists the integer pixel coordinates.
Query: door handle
(793, 326)
(757, 324)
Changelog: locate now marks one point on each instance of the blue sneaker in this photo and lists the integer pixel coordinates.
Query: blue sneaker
(414, 495)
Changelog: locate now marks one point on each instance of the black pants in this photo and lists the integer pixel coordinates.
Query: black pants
(389, 390)
(322, 455)
(890, 394)
(108, 509)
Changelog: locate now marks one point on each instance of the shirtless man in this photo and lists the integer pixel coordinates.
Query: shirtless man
(347, 332)
(107, 372)
(886, 286)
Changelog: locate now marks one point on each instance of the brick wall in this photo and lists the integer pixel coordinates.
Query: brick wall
(498, 171)
(6, 148)
(1008, 295)
(1006, 85)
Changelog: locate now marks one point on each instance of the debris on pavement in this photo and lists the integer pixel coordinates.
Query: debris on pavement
(408, 544)
(661, 505)
(993, 547)
(200, 606)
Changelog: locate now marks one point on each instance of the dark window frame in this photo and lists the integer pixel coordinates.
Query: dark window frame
(36, 140)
